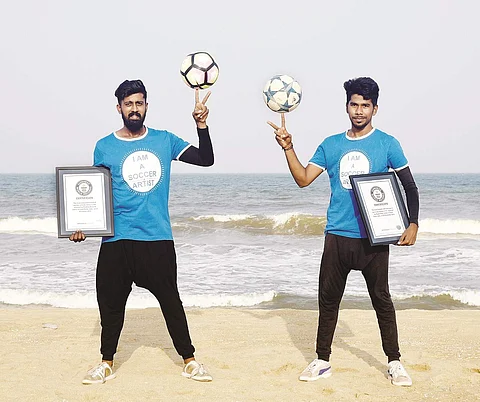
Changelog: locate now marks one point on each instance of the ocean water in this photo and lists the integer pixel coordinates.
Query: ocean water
(250, 240)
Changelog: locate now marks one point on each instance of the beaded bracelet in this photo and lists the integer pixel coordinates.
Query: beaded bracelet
(289, 148)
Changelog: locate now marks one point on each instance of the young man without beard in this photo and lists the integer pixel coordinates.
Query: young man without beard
(142, 249)
(346, 245)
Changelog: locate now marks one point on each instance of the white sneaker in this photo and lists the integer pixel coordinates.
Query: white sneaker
(99, 374)
(398, 375)
(315, 370)
(196, 371)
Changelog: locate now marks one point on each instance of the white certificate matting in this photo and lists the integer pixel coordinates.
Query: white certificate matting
(382, 211)
(381, 206)
(84, 202)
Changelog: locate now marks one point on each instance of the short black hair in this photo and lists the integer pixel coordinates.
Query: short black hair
(364, 86)
(127, 88)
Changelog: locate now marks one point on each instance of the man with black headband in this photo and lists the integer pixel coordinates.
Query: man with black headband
(360, 149)
(142, 249)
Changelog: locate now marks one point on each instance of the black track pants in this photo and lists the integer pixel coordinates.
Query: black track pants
(340, 256)
(150, 265)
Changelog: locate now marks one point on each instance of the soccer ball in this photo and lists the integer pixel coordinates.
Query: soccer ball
(199, 70)
(282, 93)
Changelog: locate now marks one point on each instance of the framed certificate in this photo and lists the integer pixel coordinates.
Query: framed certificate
(381, 206)
(84, 201)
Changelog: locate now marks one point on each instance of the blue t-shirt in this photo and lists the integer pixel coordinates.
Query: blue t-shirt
(342, 156)
(140, 169)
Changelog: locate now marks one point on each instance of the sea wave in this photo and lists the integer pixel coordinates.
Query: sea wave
(470, 297)
(16, 225)
(292, 223)
(445, 298)
(295, 223)
(289, 223)
(454, 299)
(283, 224)
(450, 226)
(22, 297)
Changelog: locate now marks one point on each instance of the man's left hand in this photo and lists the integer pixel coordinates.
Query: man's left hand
(409, 237)
(200, 112)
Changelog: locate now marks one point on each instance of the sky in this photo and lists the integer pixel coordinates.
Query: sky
(61, 62)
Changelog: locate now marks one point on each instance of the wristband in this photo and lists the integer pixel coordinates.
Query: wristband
(288, 148)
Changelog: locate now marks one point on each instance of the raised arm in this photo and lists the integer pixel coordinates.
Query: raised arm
(303, 176)
(203, 155)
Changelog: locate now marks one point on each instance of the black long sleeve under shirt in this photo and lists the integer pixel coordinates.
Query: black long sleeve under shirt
(411, 192)
(203, 155)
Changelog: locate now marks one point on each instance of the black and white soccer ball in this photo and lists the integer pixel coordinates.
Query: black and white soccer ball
(282, 93)
(199, 70)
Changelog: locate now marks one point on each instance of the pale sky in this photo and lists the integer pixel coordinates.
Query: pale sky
(61, 62)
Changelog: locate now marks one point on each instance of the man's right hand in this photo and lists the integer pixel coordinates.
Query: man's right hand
(302, 176)
(77, 236)
(200, 112)
(283, 137)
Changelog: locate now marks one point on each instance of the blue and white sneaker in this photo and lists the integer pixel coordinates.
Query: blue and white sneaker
(315, 370)
(398, 375)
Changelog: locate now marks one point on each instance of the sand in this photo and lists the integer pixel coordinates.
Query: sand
(253, 354)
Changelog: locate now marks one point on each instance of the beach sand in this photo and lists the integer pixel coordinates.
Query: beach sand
(253, 354)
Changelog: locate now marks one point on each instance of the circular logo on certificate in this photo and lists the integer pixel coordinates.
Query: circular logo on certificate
(84, 187)
(377, 194)
(142, 170)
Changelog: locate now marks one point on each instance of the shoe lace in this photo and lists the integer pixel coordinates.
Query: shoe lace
(100, 370)
(200, 370)
(197, 369)
(312, 366)
(397, 370)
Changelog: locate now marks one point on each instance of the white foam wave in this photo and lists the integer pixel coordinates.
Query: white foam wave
(431, 226)
(465, 296)
(146, 300)
(16, 225)
(226, 300)
(282, 219)
(470, 297)
(55, 299)
(278, 219)
(224, 218)
(449, 226)
(48, 226)
(139, 300)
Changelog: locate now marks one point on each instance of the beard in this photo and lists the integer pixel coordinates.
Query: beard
(360, 126)
(133, 125)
